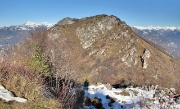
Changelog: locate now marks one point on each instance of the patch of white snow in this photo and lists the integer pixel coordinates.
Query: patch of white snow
(8, 96)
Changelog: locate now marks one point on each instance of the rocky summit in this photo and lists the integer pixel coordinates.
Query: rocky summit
(104, 49)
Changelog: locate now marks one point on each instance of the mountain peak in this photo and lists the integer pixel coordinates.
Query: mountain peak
(67, 20)
(104, 49)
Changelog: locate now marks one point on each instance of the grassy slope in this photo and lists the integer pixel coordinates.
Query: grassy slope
(108, 67)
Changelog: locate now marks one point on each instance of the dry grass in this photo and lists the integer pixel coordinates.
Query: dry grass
(17, 77)
(24, 83)
(124, 93)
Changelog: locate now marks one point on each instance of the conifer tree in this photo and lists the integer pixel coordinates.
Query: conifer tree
(39, 63)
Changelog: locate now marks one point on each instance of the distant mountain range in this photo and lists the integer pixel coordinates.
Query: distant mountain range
(13, 34)
(166, 37)
(157, 28)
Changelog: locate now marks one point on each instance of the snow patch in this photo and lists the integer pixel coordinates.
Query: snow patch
(129, 98)
(8, 96)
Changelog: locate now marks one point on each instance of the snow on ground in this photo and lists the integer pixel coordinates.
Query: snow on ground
(129, 98)
(8, 96)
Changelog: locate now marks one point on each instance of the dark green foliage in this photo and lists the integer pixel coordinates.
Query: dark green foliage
(39, 63)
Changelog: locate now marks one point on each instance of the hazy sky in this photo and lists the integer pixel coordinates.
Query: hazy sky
(133, 12)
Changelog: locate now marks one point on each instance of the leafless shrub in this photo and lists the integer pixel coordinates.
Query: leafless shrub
(61, 89)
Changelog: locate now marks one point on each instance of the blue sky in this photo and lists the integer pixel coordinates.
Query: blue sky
(133, 12)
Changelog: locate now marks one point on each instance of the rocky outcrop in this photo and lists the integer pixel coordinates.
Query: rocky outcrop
(144, 58)
(66, 21)
(130, 58)
(88, 34)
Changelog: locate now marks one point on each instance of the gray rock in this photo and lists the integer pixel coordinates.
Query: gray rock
(130, 58)
(88, 34)
(173, 90)
(144, 58)
(167, 90)
(108, 86)
(151, 87)
(67, 20)
(156, 87)
(159, 93)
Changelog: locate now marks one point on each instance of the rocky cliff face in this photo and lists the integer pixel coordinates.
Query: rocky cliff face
(104, 49)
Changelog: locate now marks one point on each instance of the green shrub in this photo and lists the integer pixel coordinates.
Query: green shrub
(39, 63)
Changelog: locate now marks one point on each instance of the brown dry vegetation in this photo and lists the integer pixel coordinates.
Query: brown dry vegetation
(24, 83)
(25, 70)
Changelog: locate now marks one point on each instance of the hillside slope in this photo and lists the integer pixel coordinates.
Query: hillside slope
(104, 49)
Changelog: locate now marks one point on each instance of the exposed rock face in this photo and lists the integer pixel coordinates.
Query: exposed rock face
(89, 34)
(146, 55)
(130, 58)
(67, 21)
(104, 49)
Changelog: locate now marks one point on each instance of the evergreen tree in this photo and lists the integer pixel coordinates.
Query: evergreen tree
(39, 63)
